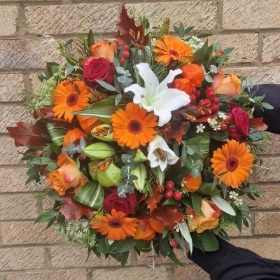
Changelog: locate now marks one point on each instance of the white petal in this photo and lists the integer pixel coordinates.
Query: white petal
(169, 79)
(148, 76)
(138, 92)
(171, 99)
(163, 117)
(162, 164)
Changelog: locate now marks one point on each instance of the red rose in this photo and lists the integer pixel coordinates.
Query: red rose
(99, 69)
(240, 121)
(128, 204)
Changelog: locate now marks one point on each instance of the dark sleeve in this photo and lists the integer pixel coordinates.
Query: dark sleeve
(272, 96)
(233, 263)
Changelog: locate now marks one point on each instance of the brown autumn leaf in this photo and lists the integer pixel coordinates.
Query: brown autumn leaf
(257, 123)
(74, 210)
(169, 215)
(26, 134)
(154, 199)
(130, 32)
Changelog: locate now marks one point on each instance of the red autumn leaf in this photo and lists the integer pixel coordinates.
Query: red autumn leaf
(169, 215)
(177, 131)
(26, 134)
(74, 210)
(154, 199)
(257, 123)
(130, 33)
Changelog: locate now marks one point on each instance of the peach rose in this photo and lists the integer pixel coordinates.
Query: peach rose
(66, 176)
(104, 49)
(209, 221)
(229, 85)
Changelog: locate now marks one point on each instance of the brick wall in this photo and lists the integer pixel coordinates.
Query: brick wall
(29, 32)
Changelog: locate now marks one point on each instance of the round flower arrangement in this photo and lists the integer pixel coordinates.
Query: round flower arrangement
(144, 142)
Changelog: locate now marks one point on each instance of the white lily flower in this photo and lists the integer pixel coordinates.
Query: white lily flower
(157, 97)
(160, 154)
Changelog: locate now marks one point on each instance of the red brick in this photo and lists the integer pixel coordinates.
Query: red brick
(29, 233)
(78, 18)
(15, 207)
(21, 258)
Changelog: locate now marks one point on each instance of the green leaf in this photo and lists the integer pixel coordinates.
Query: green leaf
(52, 68)
(102, 109)
(164, 246)
(196, 202)
(206, 189)
(52, 194)
(238, 220)
(165, 232)
(118, 99)
(106, 85)
(209, 241)
(173, 258)
(90, 194)
(57, 134)
(267, 106)
(90, 38)
(159, 173)
(171, 201)
(121, 257)
(143, 246)
(179, 240)
(123, 245)
(40, 160)
(46, 216)
(186, 234)
(265, 135)
(103, 247)
(223, 205)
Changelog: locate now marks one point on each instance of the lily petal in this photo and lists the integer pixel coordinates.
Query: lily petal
(169, 79)
(148, 76)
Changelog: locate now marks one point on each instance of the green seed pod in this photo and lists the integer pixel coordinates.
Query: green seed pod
(103, 132)
(109, 177)
(141, 172)
(99, 150)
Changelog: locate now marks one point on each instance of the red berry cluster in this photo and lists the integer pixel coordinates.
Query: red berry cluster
(125, 54)
(170, 193)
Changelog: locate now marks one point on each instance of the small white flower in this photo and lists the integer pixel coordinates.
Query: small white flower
(216, 127)
(233, 195)
(177, 227)
(238, 201)
(212, 122)
(222, 115)
(195, 43)
(200, 128)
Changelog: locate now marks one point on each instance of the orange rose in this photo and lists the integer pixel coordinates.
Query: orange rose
(104, 49)
(66, 176)
(193, 76)
(209, 221)
(73, 136)
(191, 183)
(229, 85)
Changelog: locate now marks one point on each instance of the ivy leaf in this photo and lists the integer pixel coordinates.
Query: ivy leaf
(73, 210)
(26, 134)
(169, 215)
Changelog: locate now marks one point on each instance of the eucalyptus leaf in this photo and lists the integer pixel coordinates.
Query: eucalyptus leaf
(106, 85)
(223, 205)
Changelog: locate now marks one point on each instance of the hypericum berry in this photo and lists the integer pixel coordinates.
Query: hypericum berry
(168, 194)
(215, 108)
(215, 100)
(193, 99)
(125, 54)
(210, 93)
(224, 126)
(177, 195)
(173, 243)
(228, 118)
(204, 103)
(169, 185)
(126, 48)
(196, 93)
(122, 61)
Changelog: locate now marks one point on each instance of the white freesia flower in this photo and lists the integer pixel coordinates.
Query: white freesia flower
(157, 96)
(160, 154)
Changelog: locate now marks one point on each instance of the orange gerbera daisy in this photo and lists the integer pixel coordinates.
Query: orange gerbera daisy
(70, 96)
(133, 127)
(172, 48)
(116, 225)
(235, 161)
